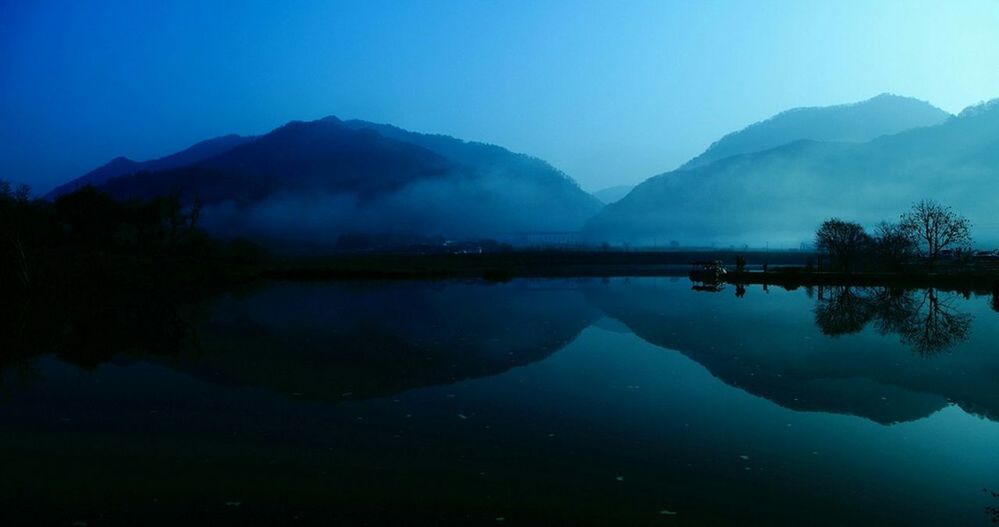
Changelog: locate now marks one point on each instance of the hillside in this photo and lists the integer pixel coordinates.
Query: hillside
(310, 182)
(779, 196)
(858, 122)
(123, 166)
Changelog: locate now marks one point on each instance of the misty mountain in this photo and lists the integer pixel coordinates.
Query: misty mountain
(782, 194)
(123, 166)
(858, 122)
(612, 194)
(309, 182)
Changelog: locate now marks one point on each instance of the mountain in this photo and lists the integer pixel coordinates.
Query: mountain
(612, 194)
(782, 194)
(858, 122)
(314, 181)
(123, 166)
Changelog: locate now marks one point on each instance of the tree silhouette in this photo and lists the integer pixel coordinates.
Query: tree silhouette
(843, 241)
(13, 216)
(936, 227)
(894, 245)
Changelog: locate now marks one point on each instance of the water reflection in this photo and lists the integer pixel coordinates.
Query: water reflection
(871, 352)
(337, 341)
(887, 354)
(638, 396)
(928, 321)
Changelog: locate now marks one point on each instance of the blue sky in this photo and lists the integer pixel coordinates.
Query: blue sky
(609, 91)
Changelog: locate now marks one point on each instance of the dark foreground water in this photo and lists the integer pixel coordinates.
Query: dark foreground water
(621, 402)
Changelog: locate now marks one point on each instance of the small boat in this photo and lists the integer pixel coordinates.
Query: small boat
(707, 271)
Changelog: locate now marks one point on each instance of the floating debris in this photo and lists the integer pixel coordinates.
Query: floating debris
(620, 478)
(233, 503)
(744, 457)
(665, 512)
(462, 416)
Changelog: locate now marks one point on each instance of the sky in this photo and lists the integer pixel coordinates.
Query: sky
(611, 92)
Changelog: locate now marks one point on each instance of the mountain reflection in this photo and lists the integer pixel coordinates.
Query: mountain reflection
(889, 355)
(927, 320)
(886, 354)
(339, 341)
(330, 341)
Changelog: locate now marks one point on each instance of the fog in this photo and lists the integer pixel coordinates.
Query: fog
(463, 207)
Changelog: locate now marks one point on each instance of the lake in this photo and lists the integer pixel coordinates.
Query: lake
(615, 402)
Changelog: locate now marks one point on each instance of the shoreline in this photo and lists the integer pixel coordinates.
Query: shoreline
(786, 268)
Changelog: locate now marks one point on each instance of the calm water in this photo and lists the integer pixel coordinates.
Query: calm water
(583, 402)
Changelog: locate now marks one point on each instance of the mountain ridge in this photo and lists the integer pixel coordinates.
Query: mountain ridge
(329, 177)
(862, 121)
(123, 166)
(783, 193)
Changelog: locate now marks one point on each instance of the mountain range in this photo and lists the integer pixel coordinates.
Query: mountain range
(781, 194)
(773, 181)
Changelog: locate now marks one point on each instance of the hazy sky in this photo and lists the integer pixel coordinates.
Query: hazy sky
(611, 92)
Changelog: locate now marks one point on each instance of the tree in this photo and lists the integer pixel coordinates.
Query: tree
(13, 204)
(894, 244)
(843, 241)
(936, 228)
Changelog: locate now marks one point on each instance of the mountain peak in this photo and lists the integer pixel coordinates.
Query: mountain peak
(883, 114)
(981, 108)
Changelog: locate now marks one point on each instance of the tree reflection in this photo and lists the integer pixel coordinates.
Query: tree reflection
(925, 320)
(842, 310)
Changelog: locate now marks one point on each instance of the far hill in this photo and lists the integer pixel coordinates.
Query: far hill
(858, 122)
(310, 182)
(612, 194)
(782, 194)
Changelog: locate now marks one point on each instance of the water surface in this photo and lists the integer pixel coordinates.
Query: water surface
(623, 401)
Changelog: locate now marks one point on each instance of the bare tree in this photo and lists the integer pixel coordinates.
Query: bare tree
(844, 241)
(936, 227)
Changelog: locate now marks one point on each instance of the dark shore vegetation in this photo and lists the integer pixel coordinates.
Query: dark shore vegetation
(98, 277)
